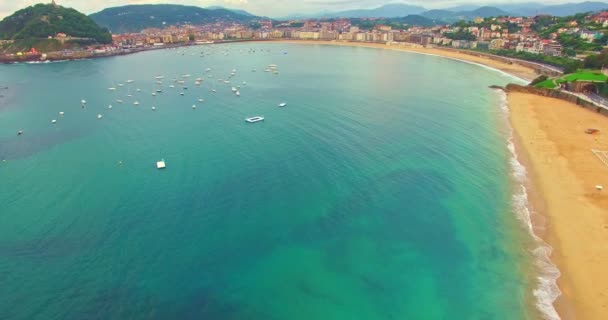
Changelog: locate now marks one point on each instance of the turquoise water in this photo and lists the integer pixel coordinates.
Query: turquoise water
(382, 191)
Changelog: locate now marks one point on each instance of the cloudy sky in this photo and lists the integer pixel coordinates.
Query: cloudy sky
(273, 8)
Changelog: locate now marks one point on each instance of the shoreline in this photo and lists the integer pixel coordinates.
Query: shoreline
(568, 305)
(551, 143)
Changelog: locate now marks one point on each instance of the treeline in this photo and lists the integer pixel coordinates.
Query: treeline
(43, 20)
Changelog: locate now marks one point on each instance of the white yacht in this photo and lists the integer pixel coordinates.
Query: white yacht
(136, 103)
(161, 164)
(238, 94)
(254, 119)
(99, 116)
(282, 104)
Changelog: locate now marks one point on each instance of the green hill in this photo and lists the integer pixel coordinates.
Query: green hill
(43, 20)
(134, 18)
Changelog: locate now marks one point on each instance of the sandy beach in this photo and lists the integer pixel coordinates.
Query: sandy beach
(564, 172)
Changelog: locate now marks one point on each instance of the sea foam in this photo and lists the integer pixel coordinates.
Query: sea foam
(546, 291)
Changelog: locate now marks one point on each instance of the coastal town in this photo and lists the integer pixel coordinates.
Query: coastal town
(545, 39)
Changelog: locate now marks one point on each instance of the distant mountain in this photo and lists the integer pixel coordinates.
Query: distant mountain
(567, 9)
(452, 16)
(385, 11)
(239, 11)
(535, 8)
(134, 18)
(417, 20)
(43, 20)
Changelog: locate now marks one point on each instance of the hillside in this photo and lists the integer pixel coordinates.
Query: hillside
(43, 20)
(134, 18)
(453, 16)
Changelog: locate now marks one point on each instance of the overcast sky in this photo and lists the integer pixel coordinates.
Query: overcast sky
(272, 8)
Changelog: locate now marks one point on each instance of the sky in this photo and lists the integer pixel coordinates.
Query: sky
(271, 8)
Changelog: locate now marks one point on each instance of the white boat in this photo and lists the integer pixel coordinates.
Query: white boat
(111, 88)
(120, 84)
(213, 90)
(153, 93)
(159, 77)
(267, 70)
(244, 83)
(138, 90)
(153, 108)
(227, 81)
(254, 119)
(181, 81)
(181, 93)
(119, 101)
(186, 76)
(193, 106)
(234, 89)
(201, 100)
(99, 116)
(20, 132)
(61, 113)
(110, 107)
(159, 82)
(198, 79)
(282, 104)
(161, 164)
(238, 94)
(83, 101)
(272, 66)
(130, 81)
(171, 86)
(136, 103)
(159, 90)
(53, 121)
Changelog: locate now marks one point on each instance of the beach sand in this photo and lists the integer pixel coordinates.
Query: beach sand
(513, 69)
(564, 172)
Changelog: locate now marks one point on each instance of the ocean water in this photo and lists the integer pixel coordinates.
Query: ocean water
(383, 190)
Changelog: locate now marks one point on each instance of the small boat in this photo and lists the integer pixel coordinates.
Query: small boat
(282, 104)
(159, 77)
(181, 81)
(99, 116)
(254, 119)
(20, 132)
(110, 107)
(213, 90)
(226, 81)
(171, 86)
(53, 121)
(272, 66)
(61, 113)
(185, 88)
(111, 88)
(119, 101)
(234, 89)
(159, 90)
(136, 103)
(161, 164)
(153, 108)
(186, 76)
(83, 101)
(138, 90)
(193, 106)
(153, 93)
(201, 100)
(120, 84)
(130, 81)
(238, 94)
(267, 70)
(181, 93)
(159, 82)
(244, 83)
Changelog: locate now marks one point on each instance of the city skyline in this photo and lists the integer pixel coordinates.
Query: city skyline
(271, 8)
